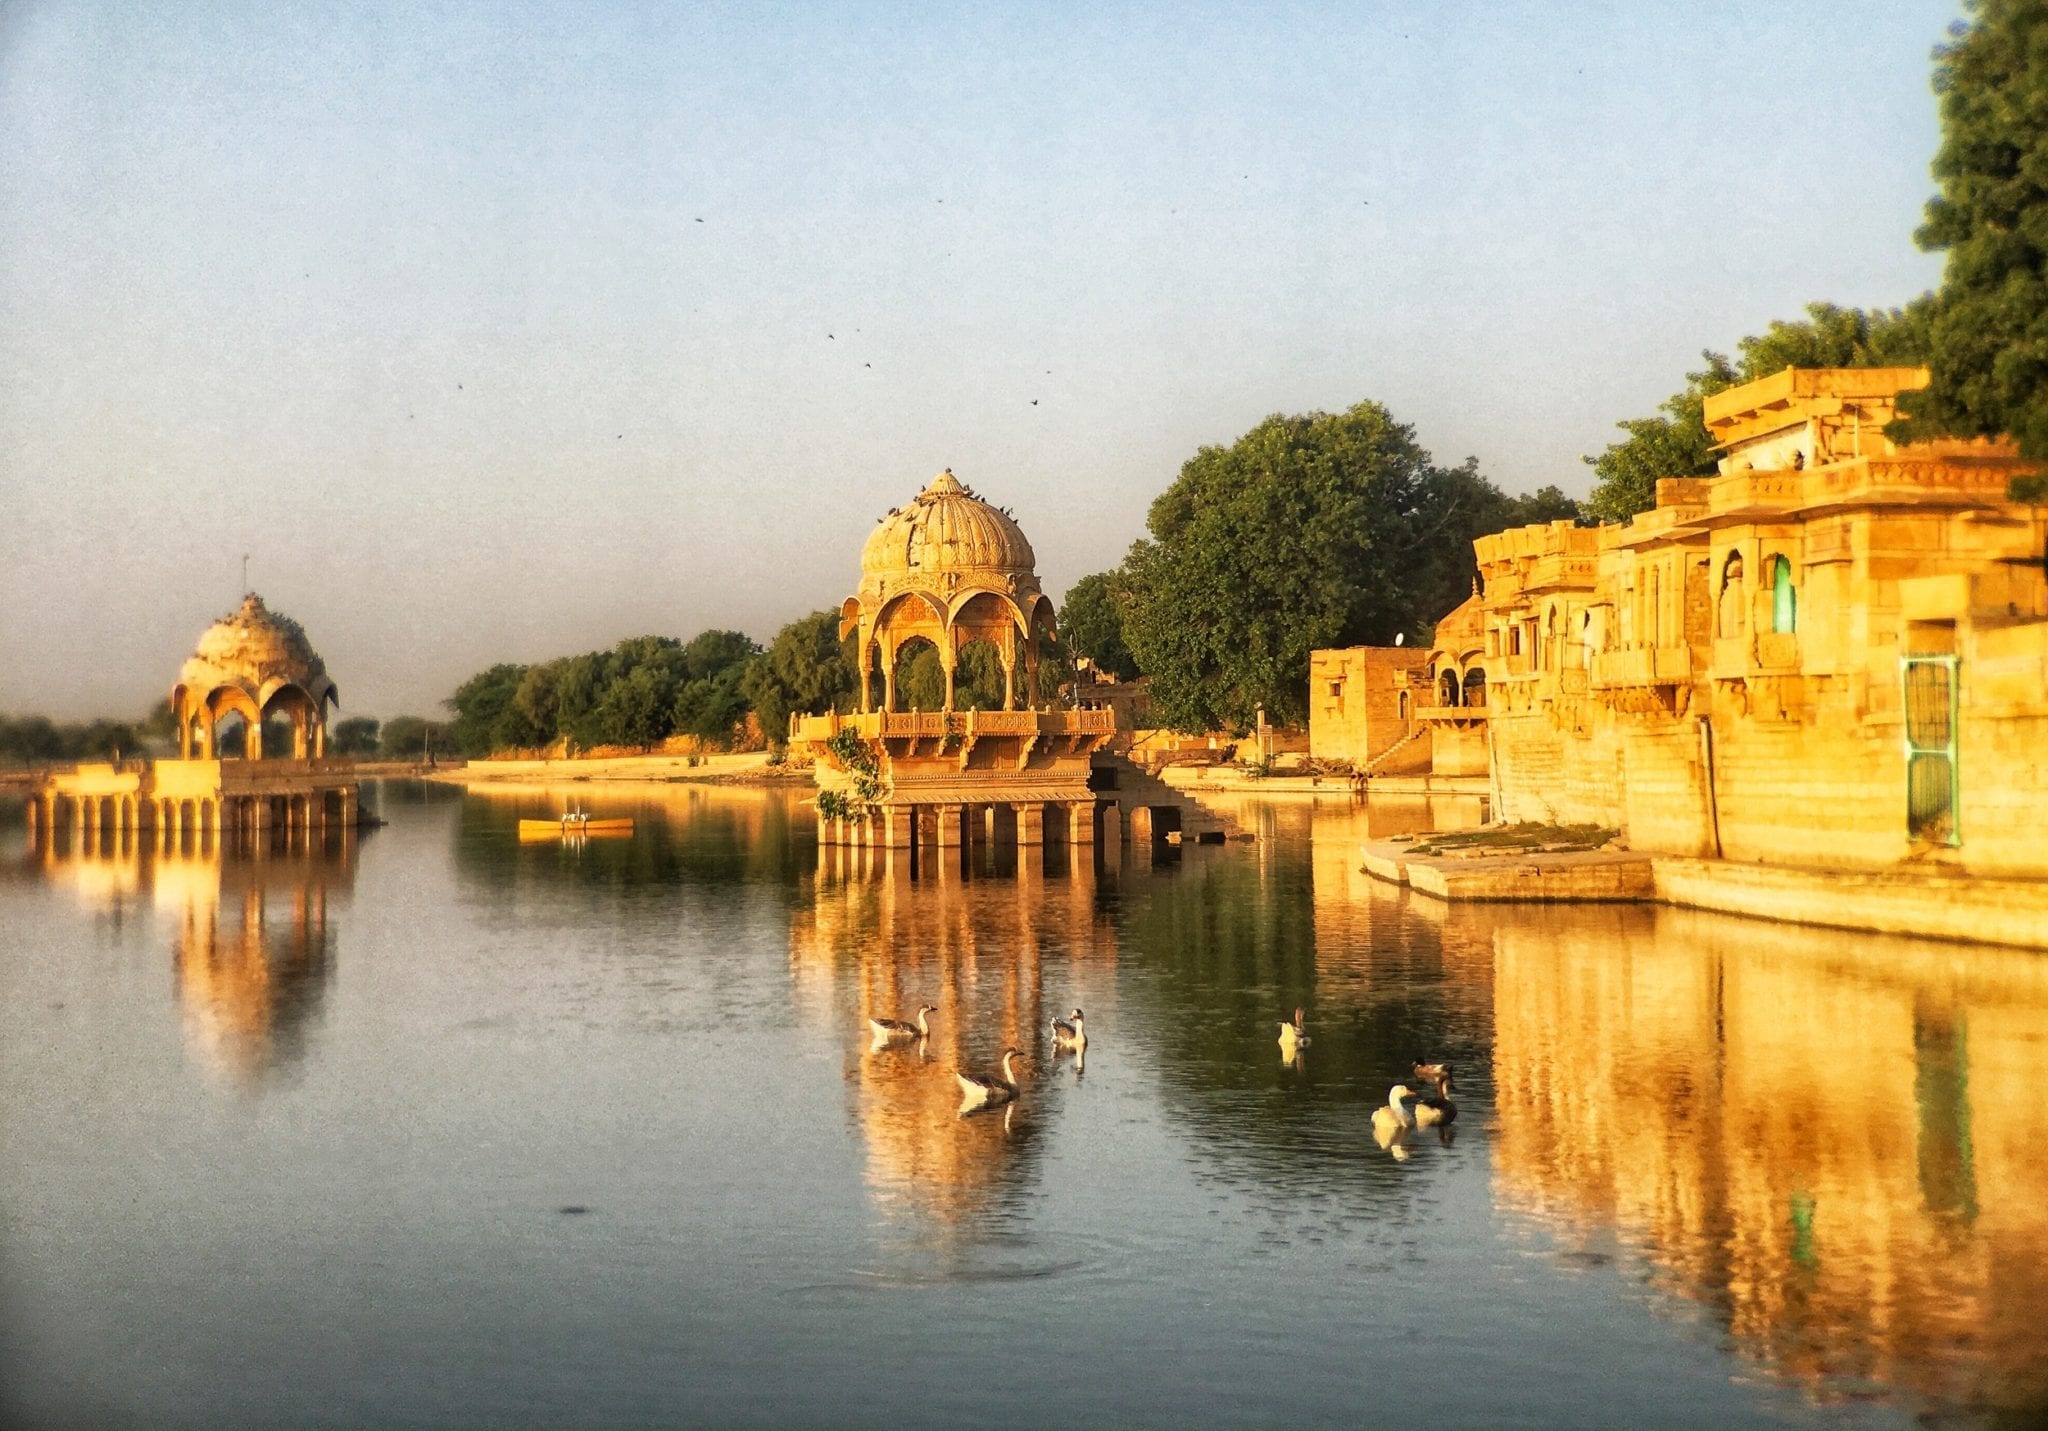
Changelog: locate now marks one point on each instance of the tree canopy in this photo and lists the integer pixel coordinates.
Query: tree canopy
(1675, 442)
(806, 670)
(1988, 334)
(1326, 529)
(1093, 626)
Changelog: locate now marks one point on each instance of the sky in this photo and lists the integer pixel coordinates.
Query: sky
(499, 333)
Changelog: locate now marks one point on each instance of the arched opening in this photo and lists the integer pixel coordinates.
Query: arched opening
(1729, 605)
(291, 724)
(1784, 596)
(1475, 687)
(231, 737)
(978, 681)
(918, 680)
(1549, 648)
(1401, 704)
(1447, 689)
(1586, 641)
(1653, 611)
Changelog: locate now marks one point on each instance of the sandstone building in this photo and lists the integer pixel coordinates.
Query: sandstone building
(1832, 653)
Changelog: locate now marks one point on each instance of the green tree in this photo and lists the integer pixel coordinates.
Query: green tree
(1093, 625)
(711, 702)
(1676, 443)
(411, 738)
(1309, 531)
(636, 710)
(356, 736)
(1989, 328)
(487, 717)
(806, 670)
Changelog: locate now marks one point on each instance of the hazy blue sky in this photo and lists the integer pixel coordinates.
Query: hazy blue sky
(497, 333)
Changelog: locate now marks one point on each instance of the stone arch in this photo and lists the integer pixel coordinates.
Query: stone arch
(1728, 618)
(305, 714)
(1448, 688)
(904, 687)
(1474, 687)
(1783, 591)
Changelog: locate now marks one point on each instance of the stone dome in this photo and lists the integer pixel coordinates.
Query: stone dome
(946, 529)
(258, 651)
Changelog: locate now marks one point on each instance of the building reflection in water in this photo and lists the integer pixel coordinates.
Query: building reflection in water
(874, 943)
(1832, 1141)
(251, 951)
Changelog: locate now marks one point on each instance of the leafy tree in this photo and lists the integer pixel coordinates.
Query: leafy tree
(807, 669)
(411, 738)
(1309, 531)
(356, 736)
(1989, 329)
(487, 717)
(1094, 626)
(1676, 442)
(636, 710)
(920, 678)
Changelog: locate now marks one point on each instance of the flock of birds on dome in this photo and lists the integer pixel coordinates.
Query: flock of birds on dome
(1394, 1123)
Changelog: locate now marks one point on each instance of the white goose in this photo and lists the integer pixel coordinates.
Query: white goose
(983, 1090)
(888, 1030)
(1070, 1032)
(1392, 1122)
(1293, 1036)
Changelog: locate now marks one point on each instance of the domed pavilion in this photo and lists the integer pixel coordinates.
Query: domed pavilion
(255, 664)
(252, 666)
(951, 569)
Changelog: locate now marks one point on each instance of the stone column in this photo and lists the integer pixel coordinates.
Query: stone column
(949, 826)
(1081, 823)
(1030, 824)
(897, 827)
(1112, 824)
(351, 809)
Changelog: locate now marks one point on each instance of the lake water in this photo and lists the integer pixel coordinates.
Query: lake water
(294, 1140)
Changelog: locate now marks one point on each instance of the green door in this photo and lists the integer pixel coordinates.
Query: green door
(1932, 787)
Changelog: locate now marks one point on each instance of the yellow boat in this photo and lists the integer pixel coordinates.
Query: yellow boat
(572, 826)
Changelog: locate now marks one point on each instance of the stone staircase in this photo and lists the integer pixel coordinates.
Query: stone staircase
(1151, 808)
(1407, 756)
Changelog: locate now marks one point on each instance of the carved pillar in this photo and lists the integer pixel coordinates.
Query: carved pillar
(949, 826)
(1030, 824)
(1112, 824)
(1081, 823)
(252, 739)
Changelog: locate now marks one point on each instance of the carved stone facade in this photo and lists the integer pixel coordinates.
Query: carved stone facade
(951, 569)
(1833, 653)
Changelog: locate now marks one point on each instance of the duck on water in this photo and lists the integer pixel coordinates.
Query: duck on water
(986, 1090)
(889, 1030)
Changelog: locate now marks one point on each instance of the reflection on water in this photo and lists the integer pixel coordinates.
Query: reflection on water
(250, 952)
(873, 943)
(1834, 1142)
(1824, 1149)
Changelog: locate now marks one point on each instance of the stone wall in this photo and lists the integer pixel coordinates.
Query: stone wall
(1354, 701)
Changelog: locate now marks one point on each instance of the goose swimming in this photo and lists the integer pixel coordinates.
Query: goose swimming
(889, 1029)
(983, 1090)
(1430, 1072)
(1391, 1120)
(1070, 1032)
(1432, 1109)
(1294, 1035)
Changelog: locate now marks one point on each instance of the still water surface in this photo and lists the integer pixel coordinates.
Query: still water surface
(293, 1141)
